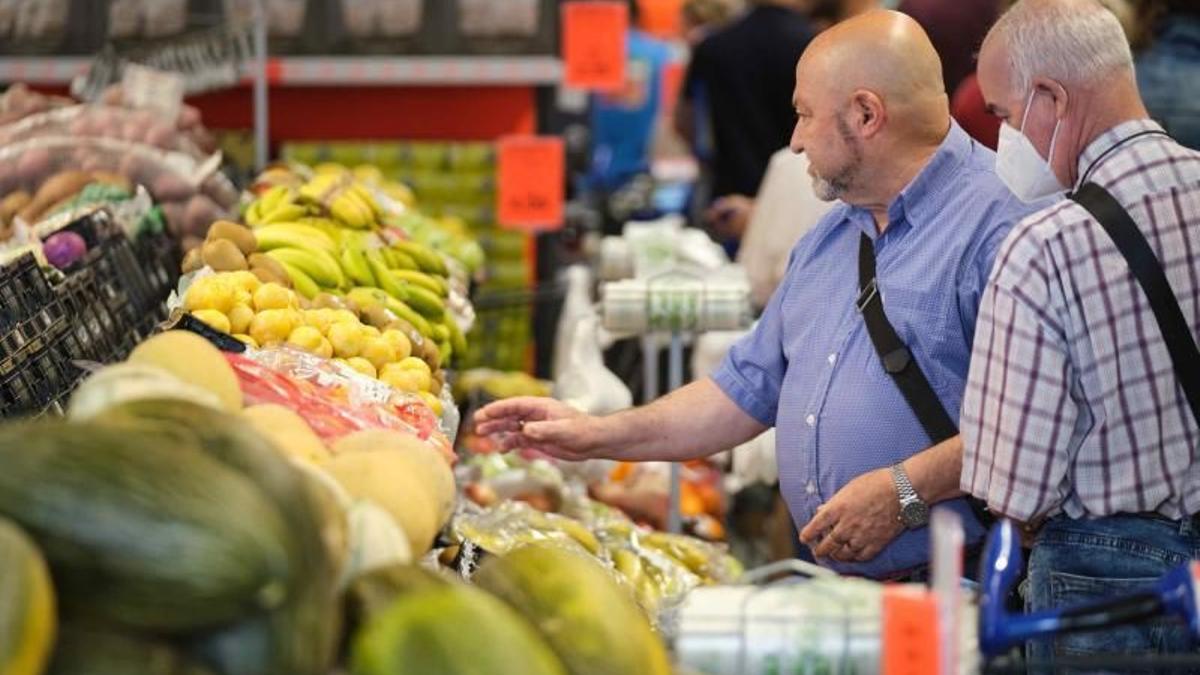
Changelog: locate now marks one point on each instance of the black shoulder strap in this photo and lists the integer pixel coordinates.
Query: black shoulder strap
(897, 358)
(1181, 345)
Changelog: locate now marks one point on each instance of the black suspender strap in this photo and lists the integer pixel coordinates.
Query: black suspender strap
(897, 359)
(1181, 345)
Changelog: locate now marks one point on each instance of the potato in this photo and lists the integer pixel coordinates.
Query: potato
(173, 212)
(159, 135)
(190, 243)
(223, 256)
(167, 187)
(33, 166)
(240, 235)
(199, 214)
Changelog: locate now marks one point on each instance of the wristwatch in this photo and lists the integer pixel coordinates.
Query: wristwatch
(914, 513)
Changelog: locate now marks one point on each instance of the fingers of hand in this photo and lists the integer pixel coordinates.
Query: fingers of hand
(821, 523)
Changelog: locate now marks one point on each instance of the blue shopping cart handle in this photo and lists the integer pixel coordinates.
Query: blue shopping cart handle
(1174, 595)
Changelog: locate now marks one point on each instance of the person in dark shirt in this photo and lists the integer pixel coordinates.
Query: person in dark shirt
(1168, 71)
(737, 92)
(956, 28)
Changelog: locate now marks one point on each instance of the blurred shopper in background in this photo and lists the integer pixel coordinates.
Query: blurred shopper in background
(743, 75)
(956, 28)
(623, 121)
(1168, 69)
(700, 18)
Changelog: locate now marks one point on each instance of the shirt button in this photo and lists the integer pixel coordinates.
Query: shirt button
(832, 358)
(810, 420)
(811, 488)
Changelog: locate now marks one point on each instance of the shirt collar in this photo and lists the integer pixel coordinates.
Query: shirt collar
(913, 205)
(1108, 139)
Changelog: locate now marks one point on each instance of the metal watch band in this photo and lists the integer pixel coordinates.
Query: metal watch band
(904, 486)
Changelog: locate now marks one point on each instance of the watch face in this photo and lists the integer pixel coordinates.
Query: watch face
(915, 513)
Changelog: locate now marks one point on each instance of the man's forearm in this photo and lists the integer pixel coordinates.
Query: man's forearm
(935, 472)
(692, 422)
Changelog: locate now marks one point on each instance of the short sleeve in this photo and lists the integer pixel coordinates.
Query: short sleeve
(752, 373)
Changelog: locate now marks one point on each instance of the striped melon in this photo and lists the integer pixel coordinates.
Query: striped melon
(27, 614)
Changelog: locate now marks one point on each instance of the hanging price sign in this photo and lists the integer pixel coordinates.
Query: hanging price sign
(530, 182)
(593, 44)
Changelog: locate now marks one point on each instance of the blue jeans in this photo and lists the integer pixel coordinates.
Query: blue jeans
(1079, 561)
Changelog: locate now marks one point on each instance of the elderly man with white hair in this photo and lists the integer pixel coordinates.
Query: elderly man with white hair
(1082, 410)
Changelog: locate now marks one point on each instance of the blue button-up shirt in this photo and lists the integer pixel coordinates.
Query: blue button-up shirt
(809, 367)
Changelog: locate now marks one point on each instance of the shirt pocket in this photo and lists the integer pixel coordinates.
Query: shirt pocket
(928, 323)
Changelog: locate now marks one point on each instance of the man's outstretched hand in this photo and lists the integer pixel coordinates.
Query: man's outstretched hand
(541, 424)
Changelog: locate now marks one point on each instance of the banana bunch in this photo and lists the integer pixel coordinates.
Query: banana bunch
(307, 253)
(409, 281)
(277, 205)
(347, 200)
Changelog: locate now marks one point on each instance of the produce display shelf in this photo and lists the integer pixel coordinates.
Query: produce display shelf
(339, 71)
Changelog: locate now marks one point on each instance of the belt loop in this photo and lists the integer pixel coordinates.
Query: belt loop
(1186, 526)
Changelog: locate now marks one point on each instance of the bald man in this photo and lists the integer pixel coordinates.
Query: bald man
(1079, 419)
(920, 200)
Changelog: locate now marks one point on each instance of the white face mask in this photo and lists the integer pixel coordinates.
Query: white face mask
(1019, 165)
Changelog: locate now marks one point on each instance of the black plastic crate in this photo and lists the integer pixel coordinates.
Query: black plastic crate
(24, 291)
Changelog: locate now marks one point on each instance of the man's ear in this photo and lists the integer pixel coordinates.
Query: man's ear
(867, 113)
(1062, 99)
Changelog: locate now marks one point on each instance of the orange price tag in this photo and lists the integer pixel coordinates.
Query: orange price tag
(911, 645)
(530, 182)
(593, 44)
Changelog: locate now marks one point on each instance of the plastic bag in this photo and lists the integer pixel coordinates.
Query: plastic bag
(585, 382)
(512, 524)
(334, 400)
(145, 127)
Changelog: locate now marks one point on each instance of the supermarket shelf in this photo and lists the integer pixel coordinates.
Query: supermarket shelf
(339, 71)
(453, 70)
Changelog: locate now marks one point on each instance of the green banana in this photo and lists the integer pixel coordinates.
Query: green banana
(354, 263)
(446, 351)
(429, 283)
(410, 315)
(303, 283)
(321, 266)
(427, 303)
(293, 235)
(401, 261)
(425, 257)
(457, 340)
(383, 277)
(440, 332)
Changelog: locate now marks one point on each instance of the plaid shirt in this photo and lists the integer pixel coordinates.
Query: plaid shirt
(1072, 405)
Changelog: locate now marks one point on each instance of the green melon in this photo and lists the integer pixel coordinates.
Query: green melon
(27, 613)
(592, 623)
(451, 630)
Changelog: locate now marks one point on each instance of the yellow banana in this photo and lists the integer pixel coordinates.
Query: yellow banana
(286, 212)
(368, 297)
(303, 283)
(293, 235)
(410, 315)
(350, 212)
(361, 191)
(321, 266)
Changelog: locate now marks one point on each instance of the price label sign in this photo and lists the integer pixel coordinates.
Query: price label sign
(153, 89)
(910, 632)
(530, 182)
(593, 44)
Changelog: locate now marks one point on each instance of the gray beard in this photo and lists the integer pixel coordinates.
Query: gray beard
(828, 190)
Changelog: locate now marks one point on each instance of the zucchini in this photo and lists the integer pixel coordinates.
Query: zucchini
(140, 529)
